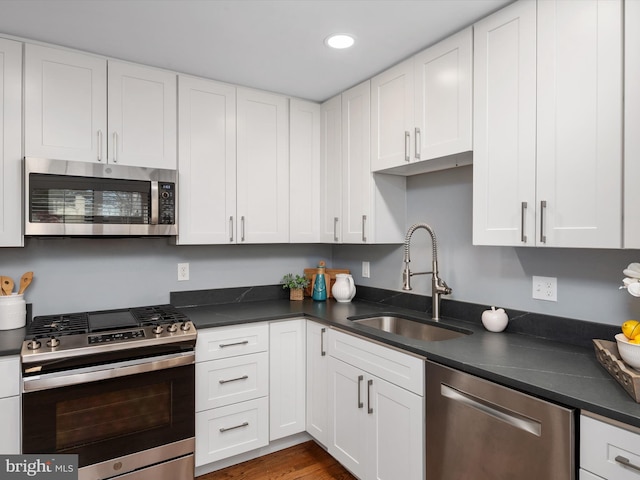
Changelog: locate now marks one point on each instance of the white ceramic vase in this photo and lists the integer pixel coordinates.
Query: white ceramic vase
(343, 289)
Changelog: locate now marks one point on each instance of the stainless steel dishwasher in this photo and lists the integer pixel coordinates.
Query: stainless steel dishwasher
(479, 430)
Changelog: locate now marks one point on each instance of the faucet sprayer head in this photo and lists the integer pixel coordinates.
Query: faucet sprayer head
(406, 277)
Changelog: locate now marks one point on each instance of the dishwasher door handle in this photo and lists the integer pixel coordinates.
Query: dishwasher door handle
(492, 409)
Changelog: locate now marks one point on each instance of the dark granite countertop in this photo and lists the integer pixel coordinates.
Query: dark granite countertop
(561, 372)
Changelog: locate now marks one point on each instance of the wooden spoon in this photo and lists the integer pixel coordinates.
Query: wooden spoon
(7, 285)
(25, 281)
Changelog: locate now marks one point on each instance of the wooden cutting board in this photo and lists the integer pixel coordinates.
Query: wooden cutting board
(330, 278)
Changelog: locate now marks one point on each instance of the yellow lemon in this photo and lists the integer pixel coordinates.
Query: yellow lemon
(636, 340)
(630, 328)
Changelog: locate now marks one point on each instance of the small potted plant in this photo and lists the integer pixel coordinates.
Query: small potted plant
(296, 285)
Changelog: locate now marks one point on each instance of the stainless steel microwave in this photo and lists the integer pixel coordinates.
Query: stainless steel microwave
(64, 198)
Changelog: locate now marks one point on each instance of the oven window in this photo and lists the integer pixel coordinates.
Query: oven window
(112, 414)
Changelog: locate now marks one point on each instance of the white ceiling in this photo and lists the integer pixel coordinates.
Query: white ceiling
(274, 45)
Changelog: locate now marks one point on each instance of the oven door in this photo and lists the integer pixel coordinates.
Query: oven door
(117, 415)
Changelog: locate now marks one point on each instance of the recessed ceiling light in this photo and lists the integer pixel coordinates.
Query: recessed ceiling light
(340, 40)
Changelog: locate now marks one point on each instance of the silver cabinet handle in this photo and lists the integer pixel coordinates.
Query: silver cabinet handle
(243, 424)
(335, 229)
(231, 228)
(244, 342)
(99, 145)
(322, 352)
(242, 228)
(523, 210)
(492, 409)
(416, 142)
(626, 462)
(369, 409)
(222, 382)
(543, 207)
(114, 157)
(364, 228)
(407, 141)
(360, 379)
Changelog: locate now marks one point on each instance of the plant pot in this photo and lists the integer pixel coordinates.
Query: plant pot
(296, 294)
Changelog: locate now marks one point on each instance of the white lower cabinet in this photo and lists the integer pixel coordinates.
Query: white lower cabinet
(376, 428)
(317, 382)
(232, 391)
(609, 450)
(10, 405)
(286, 378)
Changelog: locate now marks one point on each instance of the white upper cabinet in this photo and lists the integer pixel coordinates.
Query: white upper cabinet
(263, 167)
(578, 125)
(206, 161)
(142, 116)
(421, 110)
(331, 170)
(304, 171)
(10, 139)
(504, 137)
(631, 123)
(65, 104)
(68, 115)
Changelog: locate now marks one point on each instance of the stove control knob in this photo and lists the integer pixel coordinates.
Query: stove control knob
(53, 342)
(157, 329)
(33, 345)
(186, 326)
(172, 328)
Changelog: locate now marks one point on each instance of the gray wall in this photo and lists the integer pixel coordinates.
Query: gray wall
(588, 279)
(72, 275)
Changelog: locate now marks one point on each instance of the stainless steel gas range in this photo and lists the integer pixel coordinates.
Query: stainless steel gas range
(115, 387)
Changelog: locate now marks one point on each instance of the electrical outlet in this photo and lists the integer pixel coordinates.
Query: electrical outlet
(545, 288)
(365, 270)
(183, 272)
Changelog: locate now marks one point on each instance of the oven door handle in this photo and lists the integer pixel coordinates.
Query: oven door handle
(107, 371)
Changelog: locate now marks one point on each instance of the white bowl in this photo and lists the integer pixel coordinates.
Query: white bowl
(630, 352)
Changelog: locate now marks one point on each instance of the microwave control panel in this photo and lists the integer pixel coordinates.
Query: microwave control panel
(167, 203)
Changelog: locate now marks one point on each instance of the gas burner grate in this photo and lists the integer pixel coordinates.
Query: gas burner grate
(58, 325)
(156, 314)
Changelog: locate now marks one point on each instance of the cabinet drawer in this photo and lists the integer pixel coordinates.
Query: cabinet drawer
(604, 447)
(10, 374)
(231, 380)
(391, 365)
(10, 421)
(224, 342)
(227, 431)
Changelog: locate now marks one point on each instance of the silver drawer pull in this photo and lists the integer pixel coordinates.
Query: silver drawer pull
(244, 342)
(322, 350)
(625, 461)
(244, 424)
(360, 379)
(244, 377)
(369, 409)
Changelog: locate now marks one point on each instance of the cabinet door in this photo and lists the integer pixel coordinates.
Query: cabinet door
(10, 421)
(304, 171)
(397, 430)
(357, 178)
(631, 123)
(392, 124)
(584, 475)
(10, 139)
(331, 170)
(504, 140)
(317, 382)
(206, 162)
(443, 93)
(579, 129)
(286, 378)
(65, 104)
(142, 116)
(263, 167)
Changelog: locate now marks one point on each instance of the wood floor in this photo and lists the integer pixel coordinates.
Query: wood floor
(306, 461)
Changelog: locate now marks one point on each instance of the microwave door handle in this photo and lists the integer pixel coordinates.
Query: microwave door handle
(154, 203)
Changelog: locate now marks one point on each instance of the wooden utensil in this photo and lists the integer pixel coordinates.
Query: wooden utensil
(25, 281)
(7, 285)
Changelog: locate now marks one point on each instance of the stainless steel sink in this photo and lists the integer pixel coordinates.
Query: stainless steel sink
(409, 328)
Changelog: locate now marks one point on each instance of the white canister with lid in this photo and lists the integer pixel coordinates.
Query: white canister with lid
(13, 311)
